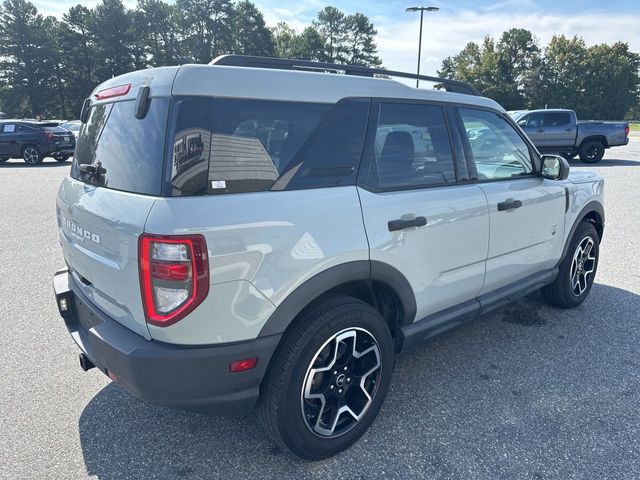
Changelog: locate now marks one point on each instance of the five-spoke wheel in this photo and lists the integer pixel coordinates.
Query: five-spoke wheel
(583, 265)
(341, 382)
(328, 378)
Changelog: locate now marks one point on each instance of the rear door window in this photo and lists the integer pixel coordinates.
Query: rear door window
(130, 150)
(557, 119)
(411, 148)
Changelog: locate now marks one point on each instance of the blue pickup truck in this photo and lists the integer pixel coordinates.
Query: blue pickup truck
(559, 131)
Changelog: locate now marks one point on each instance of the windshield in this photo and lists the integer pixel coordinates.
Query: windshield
(120, 151)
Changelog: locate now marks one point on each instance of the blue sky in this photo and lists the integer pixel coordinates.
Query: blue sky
(457, 22)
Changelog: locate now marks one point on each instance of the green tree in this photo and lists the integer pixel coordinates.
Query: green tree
(156, 21)
(29, 59)
(206, 28)
(360, 41)
(115, 39)
(250, 33)
(331, 24)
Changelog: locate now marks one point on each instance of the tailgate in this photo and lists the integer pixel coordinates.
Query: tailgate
(99, 230)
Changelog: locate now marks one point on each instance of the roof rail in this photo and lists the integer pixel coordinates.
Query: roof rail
(290, 64)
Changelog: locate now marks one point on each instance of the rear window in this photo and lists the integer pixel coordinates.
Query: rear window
(130, 150)
(225, 146)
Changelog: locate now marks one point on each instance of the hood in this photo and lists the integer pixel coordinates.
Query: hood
(583, 176)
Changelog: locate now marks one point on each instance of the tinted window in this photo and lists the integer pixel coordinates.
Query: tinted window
(254, 141)
(331, 156)
(411, 148)
(232, 146)
(557, 119)
(130, 150)
(494, 145)
(189, 151)
(533, 120)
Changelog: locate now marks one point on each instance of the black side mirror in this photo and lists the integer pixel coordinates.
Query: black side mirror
(555, 167)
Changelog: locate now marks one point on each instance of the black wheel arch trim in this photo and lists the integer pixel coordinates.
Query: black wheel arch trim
(590, 207)
(314, 287)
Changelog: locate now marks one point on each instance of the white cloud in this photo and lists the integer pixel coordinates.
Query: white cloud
(446, 34)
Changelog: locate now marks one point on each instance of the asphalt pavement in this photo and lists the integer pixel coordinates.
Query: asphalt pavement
(527, 392)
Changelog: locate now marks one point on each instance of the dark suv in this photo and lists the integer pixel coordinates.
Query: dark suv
(33, 141)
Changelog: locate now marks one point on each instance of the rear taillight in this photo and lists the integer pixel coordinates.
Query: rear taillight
(48, 135)
(627, 130)
(174, 276)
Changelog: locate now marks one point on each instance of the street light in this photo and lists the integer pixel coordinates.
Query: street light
(421, 10)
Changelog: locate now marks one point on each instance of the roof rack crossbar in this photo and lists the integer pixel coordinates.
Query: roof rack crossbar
(454, 86)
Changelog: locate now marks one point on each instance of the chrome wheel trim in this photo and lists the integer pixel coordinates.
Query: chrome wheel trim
(31, 155)
(583, 265)
(331, 407)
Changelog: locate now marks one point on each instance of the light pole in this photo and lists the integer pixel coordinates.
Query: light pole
(421, 10)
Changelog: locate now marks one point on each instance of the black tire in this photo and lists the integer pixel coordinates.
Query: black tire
(31, 155)
(591, 151)
(568, 156)
(563, 292)
(310, 342)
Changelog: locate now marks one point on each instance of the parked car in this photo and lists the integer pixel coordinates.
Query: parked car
(558, 131)
(33, 141)
(240, 237)
(73, 126)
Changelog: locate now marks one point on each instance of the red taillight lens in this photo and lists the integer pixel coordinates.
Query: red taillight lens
(627, 130)
(118, 91)
(174, 276)
(48, 135)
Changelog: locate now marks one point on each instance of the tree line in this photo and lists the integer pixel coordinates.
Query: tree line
(49, 65)
(598, 82)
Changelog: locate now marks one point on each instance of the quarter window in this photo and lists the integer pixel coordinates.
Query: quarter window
(494, 145)
(411, 148)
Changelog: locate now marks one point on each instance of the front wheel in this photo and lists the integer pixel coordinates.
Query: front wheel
(31, 155)
(577, 269)
(328, 379)
(591, 151)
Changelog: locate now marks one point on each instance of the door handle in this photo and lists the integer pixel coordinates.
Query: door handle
(540, 131)
(400, 224)
(569, 130)
(509, 204)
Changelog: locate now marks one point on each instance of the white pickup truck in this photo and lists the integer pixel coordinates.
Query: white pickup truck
(558, 131)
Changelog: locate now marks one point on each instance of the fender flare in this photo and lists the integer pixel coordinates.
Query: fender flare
(592, 206)
(359, 270)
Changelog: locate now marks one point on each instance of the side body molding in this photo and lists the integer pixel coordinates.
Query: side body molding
(362, 270)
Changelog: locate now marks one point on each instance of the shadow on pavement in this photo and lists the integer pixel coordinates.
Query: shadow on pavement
(508, 396)
(607, 162)
(47, 163)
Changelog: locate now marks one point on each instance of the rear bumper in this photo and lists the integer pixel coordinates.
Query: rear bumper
(194, 378)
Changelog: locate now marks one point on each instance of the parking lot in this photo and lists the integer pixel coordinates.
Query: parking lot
(526, 392)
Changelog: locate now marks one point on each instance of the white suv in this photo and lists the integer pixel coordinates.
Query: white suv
(272, 233)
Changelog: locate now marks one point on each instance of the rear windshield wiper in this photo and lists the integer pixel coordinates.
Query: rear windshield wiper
(94, 170)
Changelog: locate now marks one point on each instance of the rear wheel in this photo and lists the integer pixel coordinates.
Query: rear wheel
(31, 155)
(577, 269)
(591, 151)
(328, 379)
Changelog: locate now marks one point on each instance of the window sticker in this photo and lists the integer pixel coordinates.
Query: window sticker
(218, 184)
(9, 128)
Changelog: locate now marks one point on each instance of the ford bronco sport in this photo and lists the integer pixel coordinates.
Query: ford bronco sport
(272, 233)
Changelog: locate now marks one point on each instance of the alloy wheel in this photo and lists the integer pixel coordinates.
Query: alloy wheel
(341, 382)
(582, 266)
(31, 155)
